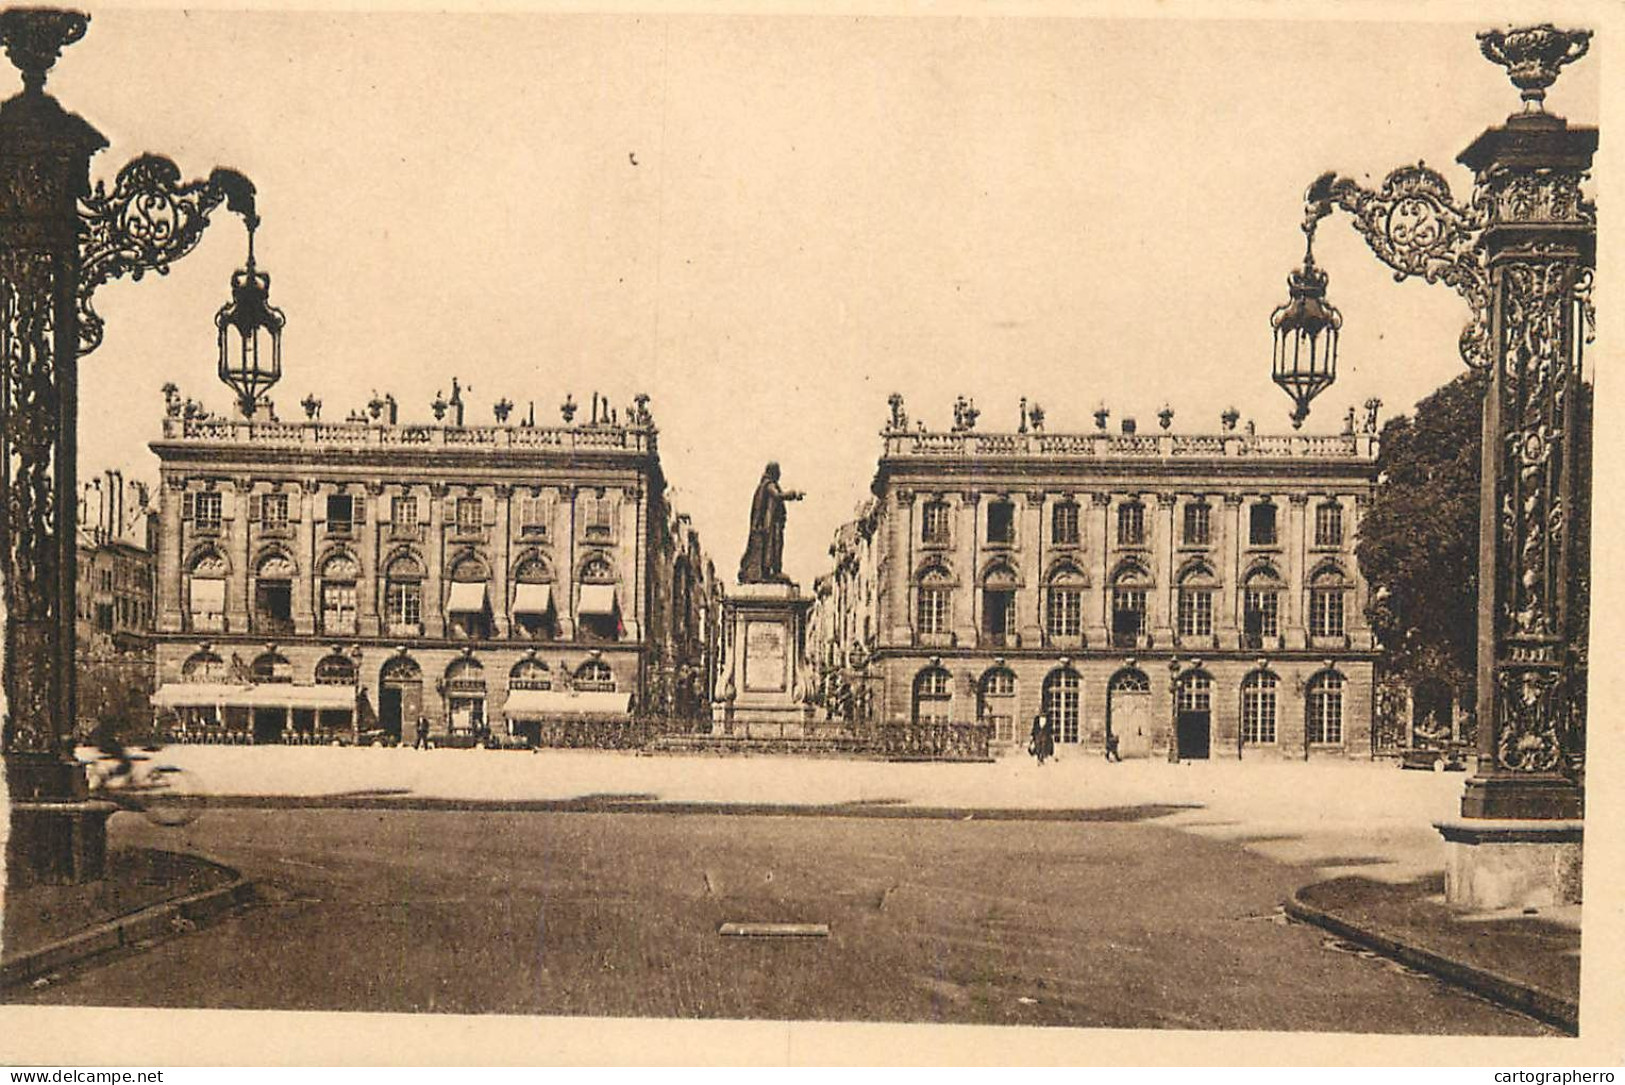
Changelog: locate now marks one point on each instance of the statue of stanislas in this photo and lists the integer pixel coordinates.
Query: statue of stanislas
(763, 562)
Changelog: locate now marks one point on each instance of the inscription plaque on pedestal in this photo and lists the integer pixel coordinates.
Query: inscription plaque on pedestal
(765, 657)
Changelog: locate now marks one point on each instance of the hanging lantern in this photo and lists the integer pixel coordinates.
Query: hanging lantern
(250, 334)
(1306, 330)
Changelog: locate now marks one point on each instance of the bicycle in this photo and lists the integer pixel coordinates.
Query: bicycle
(166, 795)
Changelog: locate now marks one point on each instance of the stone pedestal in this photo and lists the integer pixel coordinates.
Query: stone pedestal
(761, 684)
(56, 835)
(1495, 864)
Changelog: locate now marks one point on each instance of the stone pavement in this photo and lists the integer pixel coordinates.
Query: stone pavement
(1327, 818)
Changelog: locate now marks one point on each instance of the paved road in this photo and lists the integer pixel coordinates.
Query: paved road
(1088, 923)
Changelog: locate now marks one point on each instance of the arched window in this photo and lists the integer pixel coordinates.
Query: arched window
(535, 613)
(530, 674)
(339, 574)
(1196, 589)
(597, 570)
(335, 670)
(403, 595)
(1261, 608)
(465, 697)
(1063, 604)
(1325, 708)
(1129, 589)
(273, 595)
(270, 667)
(996, 704)
(206, 608)
(1063, 703)
(1258, 704)
(999, 606)
(933, 696)
(1327, 590)
(598, 609)
(595, 674)
(468, 604)
(204, 667)
(933, 613)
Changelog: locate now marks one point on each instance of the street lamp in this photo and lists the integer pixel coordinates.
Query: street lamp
(244, 365)
(61, 239)
(1521, 253)
(1306, 330)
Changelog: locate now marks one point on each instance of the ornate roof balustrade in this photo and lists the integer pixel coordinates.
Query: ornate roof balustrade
(313, 434)
(1110, 446)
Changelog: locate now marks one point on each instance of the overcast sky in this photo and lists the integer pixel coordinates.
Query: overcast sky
(769, 224)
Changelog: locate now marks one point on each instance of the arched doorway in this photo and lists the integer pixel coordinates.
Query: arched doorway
(1063, 702)
(1128, 713)
(996, 704)
(400, 694)
(1193, 721)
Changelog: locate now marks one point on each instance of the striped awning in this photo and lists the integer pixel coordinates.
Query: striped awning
(269, 695)
(534, 703)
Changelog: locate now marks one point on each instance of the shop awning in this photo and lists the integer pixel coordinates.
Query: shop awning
(208, 596)
(198, 694)
(532, 703)
(597, 599)
(467, 597)
(271, 695)
(533, 599)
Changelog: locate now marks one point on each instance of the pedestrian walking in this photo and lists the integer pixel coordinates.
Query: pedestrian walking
(422, 742)
(1111, 747)
(1042, 745)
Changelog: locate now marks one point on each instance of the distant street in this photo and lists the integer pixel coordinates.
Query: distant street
(1077, 923)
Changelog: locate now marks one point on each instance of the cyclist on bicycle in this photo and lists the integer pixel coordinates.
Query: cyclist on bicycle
(107, 741)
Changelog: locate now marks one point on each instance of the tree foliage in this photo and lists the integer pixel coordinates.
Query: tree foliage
(1418, 546)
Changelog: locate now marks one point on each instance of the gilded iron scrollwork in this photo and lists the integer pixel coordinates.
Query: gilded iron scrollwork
(145, 223)
(1416, 227)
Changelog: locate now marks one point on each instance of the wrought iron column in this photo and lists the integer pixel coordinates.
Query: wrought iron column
(1521, 253)
(44, 172)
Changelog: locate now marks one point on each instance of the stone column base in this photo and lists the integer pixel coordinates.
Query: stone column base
(57, 843)
(1494, 864)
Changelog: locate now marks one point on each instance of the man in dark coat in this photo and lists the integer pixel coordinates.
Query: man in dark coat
(763, 562)
(1043, 741)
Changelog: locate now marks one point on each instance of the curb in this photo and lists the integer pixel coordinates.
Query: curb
(1551, 1009)
(149, 923)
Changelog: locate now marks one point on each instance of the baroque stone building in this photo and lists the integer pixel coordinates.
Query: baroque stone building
(1195, 596)
(113, 621)
(318, 580)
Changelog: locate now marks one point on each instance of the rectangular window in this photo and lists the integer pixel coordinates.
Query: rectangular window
(1326, 612)
(934, 523)
(933, 611)
(273, 606)
(206, 508)
(273, 511)
(339, 607)
(1196, 612)
(470, 515)
(1260, 616)
(340, 514)
(1262, 525)
(533, 515)
(1131, 524)
(1326, 711)
(1258, 712)
(403, 603)
(1198, 530)
(1128, 616)
(1064, 524)
(999, 616)
(1065, 612)
(597, 517)
(1001, 522)
(404, 511)
(1329, 525)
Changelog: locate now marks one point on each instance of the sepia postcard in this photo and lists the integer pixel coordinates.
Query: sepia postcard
(918, 534)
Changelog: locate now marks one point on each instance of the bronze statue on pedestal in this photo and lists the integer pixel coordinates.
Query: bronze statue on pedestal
(763, 562)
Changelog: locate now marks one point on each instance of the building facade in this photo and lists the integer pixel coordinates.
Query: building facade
(113, 622)
(1193, 596)
(323, 581)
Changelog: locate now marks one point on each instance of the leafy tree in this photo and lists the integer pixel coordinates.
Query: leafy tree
(1418, 546)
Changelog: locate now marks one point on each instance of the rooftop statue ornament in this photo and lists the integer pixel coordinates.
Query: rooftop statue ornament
(567, 409)
(1102, 414)
(1165, 417)
(1533, 56)
(502, 408)
(312, 406)
(763, 562)
(1229, 418)
(899, 417)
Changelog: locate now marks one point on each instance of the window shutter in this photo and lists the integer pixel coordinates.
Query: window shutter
(186, 505)
(294, 503)
(256, 509)
(488, 511)
(358, 508)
